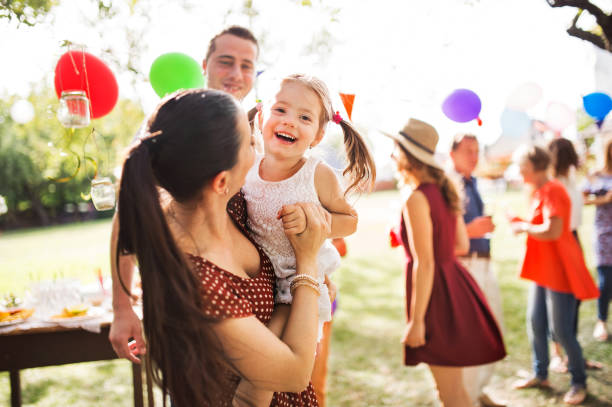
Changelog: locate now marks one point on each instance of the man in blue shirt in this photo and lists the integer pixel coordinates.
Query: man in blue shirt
(464, 154)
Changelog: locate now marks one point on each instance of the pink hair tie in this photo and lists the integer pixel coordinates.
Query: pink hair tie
(337, 118)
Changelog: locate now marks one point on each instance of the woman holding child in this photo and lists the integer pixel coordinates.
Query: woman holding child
(207, 287)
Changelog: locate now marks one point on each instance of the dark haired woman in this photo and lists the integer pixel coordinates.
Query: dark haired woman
(598, 192)
(207, 288)
(449, 324)
(554, 262)
(564, 163)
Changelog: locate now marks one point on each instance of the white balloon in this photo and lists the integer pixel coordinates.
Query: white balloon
(559, 116)
(22, 111)
(505, 146)
(524, 97)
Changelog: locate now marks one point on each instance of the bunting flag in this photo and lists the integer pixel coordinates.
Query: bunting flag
(347, 101)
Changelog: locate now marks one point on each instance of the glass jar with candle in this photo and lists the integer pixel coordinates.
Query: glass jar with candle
(3, 206)
(103, 193)
(73, 111)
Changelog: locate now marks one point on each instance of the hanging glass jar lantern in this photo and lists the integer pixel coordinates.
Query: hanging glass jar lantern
(103, 193)
(3, 207)
(73, 111)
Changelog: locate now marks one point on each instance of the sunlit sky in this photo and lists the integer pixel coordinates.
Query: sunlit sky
(400, 58)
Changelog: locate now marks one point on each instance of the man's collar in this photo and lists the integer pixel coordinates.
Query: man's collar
(468, 180)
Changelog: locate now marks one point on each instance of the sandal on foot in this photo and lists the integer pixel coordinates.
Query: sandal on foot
(576, 394)
(593, 365)
(532, 383)
(558, 364)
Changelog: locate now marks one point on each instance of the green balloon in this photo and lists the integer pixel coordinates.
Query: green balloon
(173, 71)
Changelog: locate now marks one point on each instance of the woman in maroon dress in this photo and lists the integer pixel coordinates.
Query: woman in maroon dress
(207, 288)
(449, 324)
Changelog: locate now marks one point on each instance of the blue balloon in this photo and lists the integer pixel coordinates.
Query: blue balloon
(597, 105)
(515, 123)
(462, 105)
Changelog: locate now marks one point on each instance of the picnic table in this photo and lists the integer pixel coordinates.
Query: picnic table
(58, 345)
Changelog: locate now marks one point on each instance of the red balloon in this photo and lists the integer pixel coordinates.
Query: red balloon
(78, 70)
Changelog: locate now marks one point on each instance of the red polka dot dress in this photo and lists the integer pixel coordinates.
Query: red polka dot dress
(226, 295)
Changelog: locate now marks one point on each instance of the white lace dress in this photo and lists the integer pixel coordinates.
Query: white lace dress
(264, 201)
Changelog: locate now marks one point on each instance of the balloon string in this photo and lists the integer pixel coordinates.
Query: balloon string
(61, 81)
(87, 84)
(76, 70)
(78, 161)
(87, 196)
(86, 158)
(92, 134)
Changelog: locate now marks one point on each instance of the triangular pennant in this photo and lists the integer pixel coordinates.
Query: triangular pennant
(347, 101)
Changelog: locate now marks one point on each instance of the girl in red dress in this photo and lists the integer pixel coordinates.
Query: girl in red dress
(449, 321)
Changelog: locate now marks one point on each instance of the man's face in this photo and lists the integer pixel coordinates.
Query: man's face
(465, 156)
(231, 67)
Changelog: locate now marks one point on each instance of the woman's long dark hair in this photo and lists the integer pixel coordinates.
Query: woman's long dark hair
(563, 156)
(192, 137)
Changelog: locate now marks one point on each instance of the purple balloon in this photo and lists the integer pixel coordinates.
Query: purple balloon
(462, 105)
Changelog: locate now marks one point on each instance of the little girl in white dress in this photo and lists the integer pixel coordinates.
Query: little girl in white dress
(264, 199)
(285, 175)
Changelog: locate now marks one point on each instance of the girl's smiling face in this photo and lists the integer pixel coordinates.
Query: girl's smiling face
(293, 122)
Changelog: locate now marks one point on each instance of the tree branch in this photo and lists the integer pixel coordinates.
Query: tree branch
(601, 17)
(588, 36)
(603, 20)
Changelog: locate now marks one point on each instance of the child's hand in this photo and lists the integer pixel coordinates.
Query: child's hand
(306, 245)
(294, 219)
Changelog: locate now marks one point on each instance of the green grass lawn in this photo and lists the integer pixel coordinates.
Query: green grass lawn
(366, 358)
(71, 251)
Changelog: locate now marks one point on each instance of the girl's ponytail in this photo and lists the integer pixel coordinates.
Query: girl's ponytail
(361, 167)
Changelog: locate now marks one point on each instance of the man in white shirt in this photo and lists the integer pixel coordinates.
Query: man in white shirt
(464, 154)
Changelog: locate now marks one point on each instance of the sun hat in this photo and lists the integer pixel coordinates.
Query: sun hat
(419, 139)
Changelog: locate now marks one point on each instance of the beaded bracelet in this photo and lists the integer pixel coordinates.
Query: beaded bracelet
(294, 285)
(305, 277)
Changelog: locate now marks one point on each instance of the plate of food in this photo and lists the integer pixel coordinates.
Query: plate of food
(14, 315)
(81, 312)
